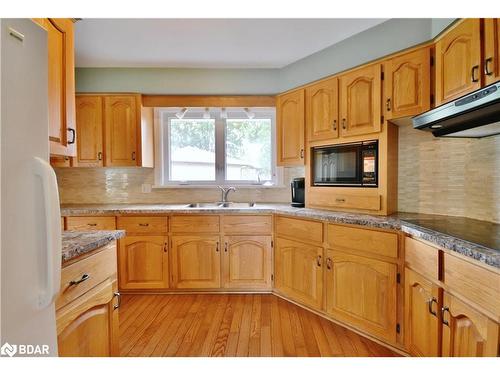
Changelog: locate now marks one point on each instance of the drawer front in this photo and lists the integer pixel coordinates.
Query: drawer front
(477, 284)
(422, 258)
(303, 230)
(90, 223)
(143, 224)
(195, 224)
(98, 267)
(361, 202)
(365, 240)
(247, 224)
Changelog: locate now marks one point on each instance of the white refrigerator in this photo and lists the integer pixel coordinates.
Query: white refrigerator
(30, 215)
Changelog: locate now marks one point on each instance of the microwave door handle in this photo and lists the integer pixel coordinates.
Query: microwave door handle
(293, 190)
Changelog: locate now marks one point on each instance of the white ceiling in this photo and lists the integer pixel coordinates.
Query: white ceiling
(207, 43)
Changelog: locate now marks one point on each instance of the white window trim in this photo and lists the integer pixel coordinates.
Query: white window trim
(162, 154)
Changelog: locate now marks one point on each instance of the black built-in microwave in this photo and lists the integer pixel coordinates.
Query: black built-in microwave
(348, 164)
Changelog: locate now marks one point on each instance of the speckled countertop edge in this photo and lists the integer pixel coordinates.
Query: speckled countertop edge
(76, 243)
(480, 253)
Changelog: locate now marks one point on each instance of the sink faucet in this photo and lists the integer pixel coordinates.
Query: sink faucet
(225, 192)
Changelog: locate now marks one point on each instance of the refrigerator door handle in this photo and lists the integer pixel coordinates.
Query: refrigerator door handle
(52, 216)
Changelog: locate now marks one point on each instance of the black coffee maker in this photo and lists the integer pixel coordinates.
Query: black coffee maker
(298, 192)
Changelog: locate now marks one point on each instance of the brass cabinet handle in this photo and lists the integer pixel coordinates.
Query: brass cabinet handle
(225, 247)
(443, 310)
(475, 68)
(318, 260)
(429, 304)
(73, 132)
(217, 247)
(487, 62)
(99, 155)
(302, 153)
(133, 155)
(165, 247)
(334, 124)
(339, 200)
(328, 263)
(92, 224)
(344, 124)
(84, 277)
(388, 104)
(144, 224)
(118, 300)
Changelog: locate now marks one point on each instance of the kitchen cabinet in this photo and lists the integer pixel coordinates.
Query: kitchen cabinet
(466, 331)
(422, 308)
(143, 262)
(89, 117)
(90, 223)
(196, 261)
(458, 61)
(247, 262)
(290, 128)
(361, 292)
(491, 50)
(360, 96)
(322, 110)
(407, 86)
(61, 161)
(299, 271)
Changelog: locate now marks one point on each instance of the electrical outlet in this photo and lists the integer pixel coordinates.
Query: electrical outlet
(146, 188)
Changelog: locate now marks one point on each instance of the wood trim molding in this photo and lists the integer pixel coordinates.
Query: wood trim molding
(208, 101)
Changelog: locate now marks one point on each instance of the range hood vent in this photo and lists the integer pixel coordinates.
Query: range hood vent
(475, 115)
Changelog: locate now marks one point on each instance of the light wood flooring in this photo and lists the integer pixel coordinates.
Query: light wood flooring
(255, 325)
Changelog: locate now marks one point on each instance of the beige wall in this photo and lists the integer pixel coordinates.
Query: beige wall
(124, 185)
(458, 177)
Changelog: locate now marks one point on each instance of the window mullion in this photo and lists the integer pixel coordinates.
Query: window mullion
(220, 152)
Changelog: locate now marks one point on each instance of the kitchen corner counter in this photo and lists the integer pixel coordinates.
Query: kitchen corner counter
(472, 238)
(76, 243)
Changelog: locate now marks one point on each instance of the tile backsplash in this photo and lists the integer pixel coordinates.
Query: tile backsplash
(124, 185)
(458, 177)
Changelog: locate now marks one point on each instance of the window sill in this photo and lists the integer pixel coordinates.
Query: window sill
(195, 186)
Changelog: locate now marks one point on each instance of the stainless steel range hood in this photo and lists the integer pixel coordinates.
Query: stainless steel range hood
(476, 115)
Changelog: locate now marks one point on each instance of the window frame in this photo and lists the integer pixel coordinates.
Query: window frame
(163, 117)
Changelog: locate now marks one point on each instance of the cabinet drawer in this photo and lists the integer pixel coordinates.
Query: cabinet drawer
(98, 267)
(90, 223)
(365, 240)
(195, 224)
(422, 258)
(143, 224)
(303, 230)
(247, 224)
(477, 284)
(361, 202)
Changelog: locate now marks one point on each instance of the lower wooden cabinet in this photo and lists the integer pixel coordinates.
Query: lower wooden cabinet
(88, 326)
(143, 262)
(196, 262)
(466, 331)
(299, 272)
(422, 309)
(247, 262)
(361, 291)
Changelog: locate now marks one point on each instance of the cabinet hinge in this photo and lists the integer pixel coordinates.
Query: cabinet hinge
(382, 76)
(398, 328)
(398, 278)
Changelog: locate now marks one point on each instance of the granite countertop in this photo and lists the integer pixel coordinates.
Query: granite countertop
(76, 243)
(479, 240)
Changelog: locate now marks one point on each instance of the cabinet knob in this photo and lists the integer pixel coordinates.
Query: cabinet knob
(388, 104)
(443, 310)
(334, 124)
(429, 304)
(99, 155)
(329, 263)
(225, 247)
(165, 247)
(133, 155)
(344, 124)
(473, 77)
(487, 70)
(118, 300)
(73, 138)
(318, 260)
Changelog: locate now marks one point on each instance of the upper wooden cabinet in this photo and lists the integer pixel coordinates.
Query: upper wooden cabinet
(458, 61)
(290, 128)
(360, 96)
(89, 118)
(491, 50)
(322, 110)
(61, 81)
(407, 86)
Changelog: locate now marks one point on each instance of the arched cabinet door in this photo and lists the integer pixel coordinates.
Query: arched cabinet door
(89, 131)
(143, 262)
(290, 128)
(196, 262)
(322, 110)
(247, 262)
(492, 50)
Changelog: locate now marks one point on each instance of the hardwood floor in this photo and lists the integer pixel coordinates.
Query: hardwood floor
(233, 325)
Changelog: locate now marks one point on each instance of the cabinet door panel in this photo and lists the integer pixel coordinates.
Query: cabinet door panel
(362, 292)
(421, 320)
(121, 122)
(322, 110)
(247, 262)
(299, 271)
(492, 50)
(360, 93)
(407, 84)
(290, 119)
(458, 61)
(89, 131)
(467, 332)
(143, 262)
(196, 262)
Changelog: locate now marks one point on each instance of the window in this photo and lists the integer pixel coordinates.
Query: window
(215, 146)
